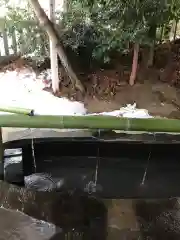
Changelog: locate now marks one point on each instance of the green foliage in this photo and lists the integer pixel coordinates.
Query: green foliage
(175, 9)
(115, 23)
(101, 26)
(29, 36)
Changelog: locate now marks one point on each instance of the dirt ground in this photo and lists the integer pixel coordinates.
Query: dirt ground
(160, 99)
(156, 89)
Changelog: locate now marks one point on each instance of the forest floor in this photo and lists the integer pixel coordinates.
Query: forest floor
(160, 99)
(156, 89)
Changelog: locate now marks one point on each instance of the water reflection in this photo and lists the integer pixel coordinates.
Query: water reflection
(86, 218)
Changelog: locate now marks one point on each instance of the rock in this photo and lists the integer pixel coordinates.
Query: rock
(46, 183)
(40, 182)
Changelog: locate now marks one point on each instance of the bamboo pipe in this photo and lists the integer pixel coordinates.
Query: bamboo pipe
(90, 122)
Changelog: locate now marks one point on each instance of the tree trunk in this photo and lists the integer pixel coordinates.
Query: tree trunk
(167, 31)
(161, 34)
(43, 47)
(14, 42)
(22, 45)
(64, 10)
(134, 65)
(152, 35)
(5, 41)
(53, 52)
(49, 27)
(175, 29)
(151, 55)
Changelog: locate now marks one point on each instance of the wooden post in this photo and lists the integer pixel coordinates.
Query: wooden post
(53, 52)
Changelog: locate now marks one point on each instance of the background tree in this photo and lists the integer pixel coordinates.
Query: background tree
(53, 52)
(102, 27)
(50, 29)
(122, 22)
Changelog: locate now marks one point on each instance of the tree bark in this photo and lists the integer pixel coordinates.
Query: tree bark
(175, 29)
(151, 55)
(14, 41)
(161, 34)
(135, 64)
(50, 29)
(53, 52)
(5, 41)
(152, 36)
(63, 11)
(23, 43)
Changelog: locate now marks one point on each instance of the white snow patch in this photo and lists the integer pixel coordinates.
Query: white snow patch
(24, 89)
(130, 111)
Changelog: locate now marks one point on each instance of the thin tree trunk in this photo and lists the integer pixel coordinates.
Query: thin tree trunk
(128, 45)
(5, 41)
(63, 11)
(53, 52)
(134, 65)
(161, 34)
(22, 45)
(167, 31)
(175, 29)
(43, 48)
(14, 42)
(152, 35)
(49, 27)
(151, 55)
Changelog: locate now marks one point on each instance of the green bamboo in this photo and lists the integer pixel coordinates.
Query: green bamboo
(90, 122)
(17, 110)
